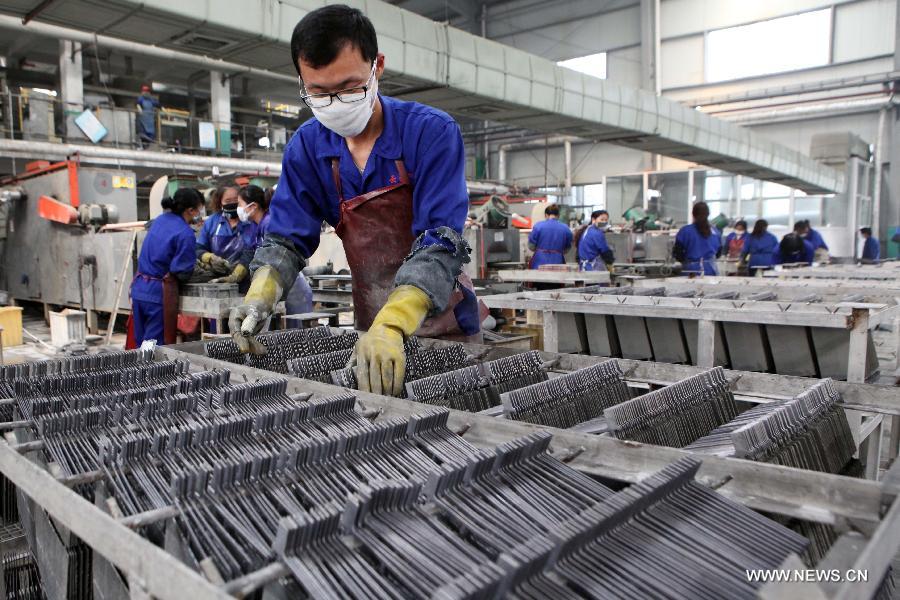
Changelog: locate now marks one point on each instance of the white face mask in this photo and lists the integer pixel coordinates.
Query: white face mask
(243, 215)
(349, 120)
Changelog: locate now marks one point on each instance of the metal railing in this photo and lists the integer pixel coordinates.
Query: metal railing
(42, 117)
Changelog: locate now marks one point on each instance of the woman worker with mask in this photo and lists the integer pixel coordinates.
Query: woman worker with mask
(699, 244)
(224, 236)
(252, 207)
(593, 251)
(167, 257)
(735, 241)
(389, 176)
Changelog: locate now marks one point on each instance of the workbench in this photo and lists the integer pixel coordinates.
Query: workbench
(562, 278)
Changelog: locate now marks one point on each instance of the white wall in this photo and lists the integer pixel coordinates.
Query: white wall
(863, 43)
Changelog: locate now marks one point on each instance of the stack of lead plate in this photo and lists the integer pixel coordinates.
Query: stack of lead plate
(478, 387)
(568, 400)
(420, 363)
(396, 508)
(809, 432)
(678, 414)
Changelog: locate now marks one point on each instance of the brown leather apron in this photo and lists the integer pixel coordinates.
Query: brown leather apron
(170, 305)
(376, 230)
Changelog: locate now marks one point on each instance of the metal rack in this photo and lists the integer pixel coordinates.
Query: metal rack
(687, 327)
(808, 495)
(151, 572)
(885, 271)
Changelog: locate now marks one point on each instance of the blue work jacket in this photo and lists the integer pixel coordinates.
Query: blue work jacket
(763, 250)
(218, 237)
(591, 249)
(815, 238)
(551, 240)
(698, 249)
(428, 142)
(167, 248)
(871, 249)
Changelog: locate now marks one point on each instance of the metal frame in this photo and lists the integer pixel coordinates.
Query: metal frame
(560, 277)
(845, 502)
(858, 318)
(819, 497)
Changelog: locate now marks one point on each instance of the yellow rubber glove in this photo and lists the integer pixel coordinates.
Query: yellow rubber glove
(246, 320)
(238, 274)
(379, 355)
(214, 261)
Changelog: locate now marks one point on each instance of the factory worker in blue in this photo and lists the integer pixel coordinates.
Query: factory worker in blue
(147, 107)
(252, 207)
(871, 252)
(699, 244)
(593, 251)
(820, 248)
(389, 176)
(795, 248)
(224, 236)
(549, 240)
(167, 258)
(760, 248)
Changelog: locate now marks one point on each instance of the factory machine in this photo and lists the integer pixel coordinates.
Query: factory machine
(493, 235)
(56, 251)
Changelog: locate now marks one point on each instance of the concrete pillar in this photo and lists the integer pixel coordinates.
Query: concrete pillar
(220, 110)
(71, 85)
(650, 62)
(889, 213)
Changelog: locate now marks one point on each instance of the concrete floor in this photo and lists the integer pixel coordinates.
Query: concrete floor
(33, 323)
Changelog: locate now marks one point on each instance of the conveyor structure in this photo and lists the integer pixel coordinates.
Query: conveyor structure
(788, 331)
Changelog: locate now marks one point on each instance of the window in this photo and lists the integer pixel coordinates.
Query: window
(774, 46)
(592, 64)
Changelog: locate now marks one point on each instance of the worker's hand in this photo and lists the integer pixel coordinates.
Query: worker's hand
(379, 355)
(238, 274)
(247, 319)
(216, 262)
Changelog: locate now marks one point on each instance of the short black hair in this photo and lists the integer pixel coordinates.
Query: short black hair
(184, 198)
(323, 33)
(597, 213)
(866, 231)
(741, 223)
(552, 209)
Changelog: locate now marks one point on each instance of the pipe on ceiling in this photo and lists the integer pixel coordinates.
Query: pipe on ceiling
(32, 149)
(86, 37)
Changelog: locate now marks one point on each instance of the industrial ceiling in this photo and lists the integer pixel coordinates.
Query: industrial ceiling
(461, 73)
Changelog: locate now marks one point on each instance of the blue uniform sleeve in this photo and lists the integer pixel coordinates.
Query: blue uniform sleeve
(569, 237)
(682, 239)
(440, 206)
(184, 257)
(440, 197)
(296, 209)
(203, 240)
(534, 235)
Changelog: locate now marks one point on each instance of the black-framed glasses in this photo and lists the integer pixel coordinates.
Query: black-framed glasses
(348, 96)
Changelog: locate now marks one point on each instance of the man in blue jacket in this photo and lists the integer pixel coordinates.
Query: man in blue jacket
(549, 240)
(389, 176)
(871, 252)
